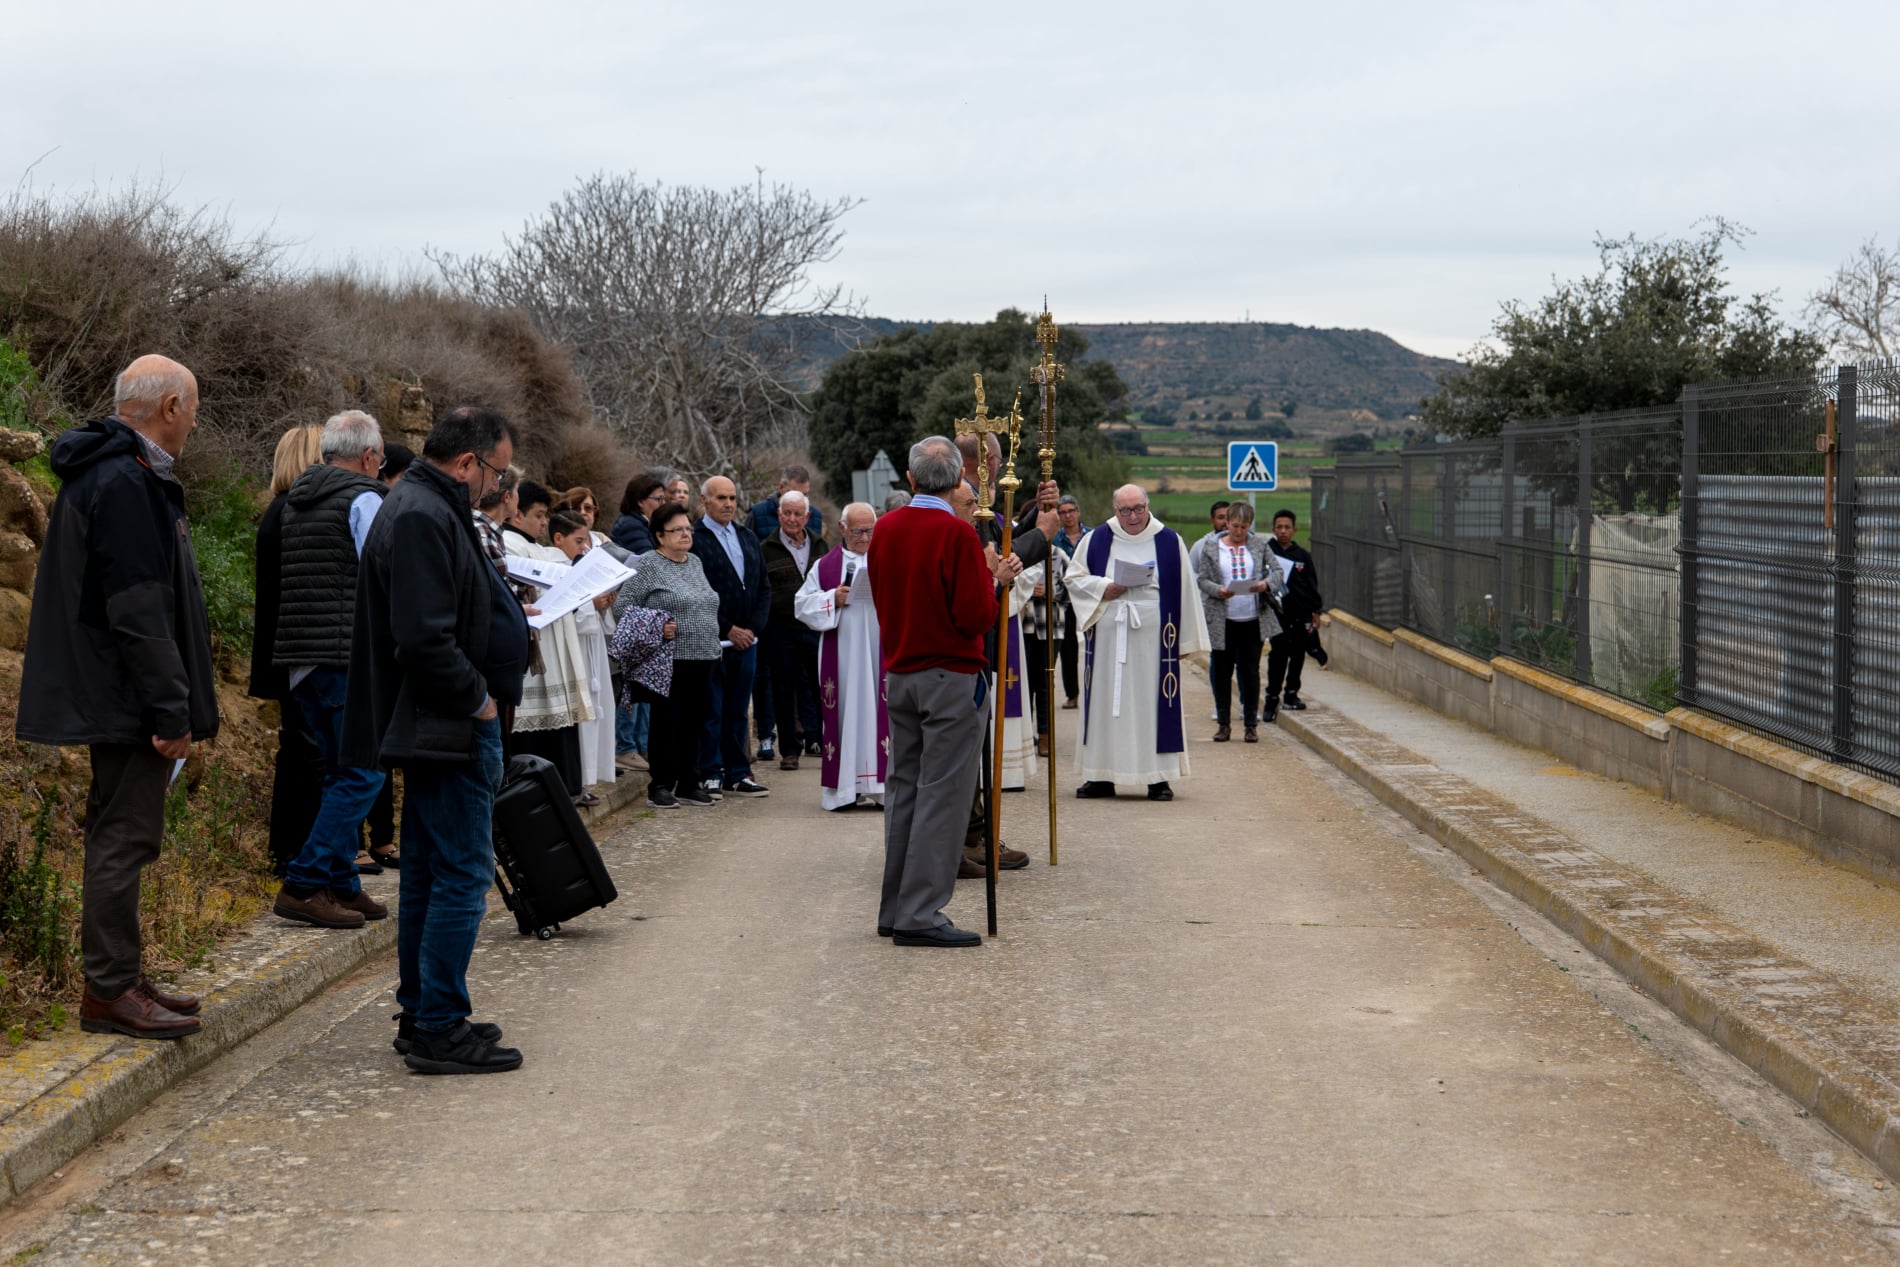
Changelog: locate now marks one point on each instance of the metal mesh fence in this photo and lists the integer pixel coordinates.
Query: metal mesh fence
(1738, 551)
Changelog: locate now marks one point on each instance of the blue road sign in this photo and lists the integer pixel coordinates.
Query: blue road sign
(1253, 466)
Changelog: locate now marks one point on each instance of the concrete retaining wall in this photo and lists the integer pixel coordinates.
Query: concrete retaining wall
(1702, 762)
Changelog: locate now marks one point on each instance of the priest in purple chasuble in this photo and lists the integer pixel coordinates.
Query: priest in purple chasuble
(854, 731)
(1137, 633)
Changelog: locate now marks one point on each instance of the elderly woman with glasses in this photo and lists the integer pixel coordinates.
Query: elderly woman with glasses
(671, 581)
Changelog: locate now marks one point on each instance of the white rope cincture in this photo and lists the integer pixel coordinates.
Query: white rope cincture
(1127, 616)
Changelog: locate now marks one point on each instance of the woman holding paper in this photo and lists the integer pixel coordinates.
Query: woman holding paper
(671, 580)
(1240, 591)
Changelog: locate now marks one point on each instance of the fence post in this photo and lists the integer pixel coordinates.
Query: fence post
(1686, 631)
(1585, 484)
(1507, 557)
(1407, 617)
(1846, 570)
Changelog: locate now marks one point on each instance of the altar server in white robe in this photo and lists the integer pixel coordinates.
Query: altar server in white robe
(854, 731)
(1134, 642)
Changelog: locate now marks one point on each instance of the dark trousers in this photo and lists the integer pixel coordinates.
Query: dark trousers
(448, 865)
(1241, 654)
(382, 816)
(1286, 656)
(1068, 653)
(723, 753)
(1035, 653)
(791, 652)
(676, 723)
(764, 699)
(561, 747)
(125, 821)
(296, 786)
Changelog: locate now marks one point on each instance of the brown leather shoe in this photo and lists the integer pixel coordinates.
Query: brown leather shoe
(1042, 745)
(183, 1004)
(320, 908)
(971, 867)
(788, 760)
(1222, 735)
(1008, 859)
(1252, 735)
(136, 1014)
(362, 903)
(1069, 703)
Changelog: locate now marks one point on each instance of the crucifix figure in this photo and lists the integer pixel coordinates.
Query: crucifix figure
(982, 426)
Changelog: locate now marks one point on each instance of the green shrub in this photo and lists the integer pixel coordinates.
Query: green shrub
(1660, 691)
(38, 905)
(17, 379)
(223, 513)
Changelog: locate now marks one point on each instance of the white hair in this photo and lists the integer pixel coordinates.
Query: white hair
(149, 389)
(866, 507)
(792, 497)
(347, 434)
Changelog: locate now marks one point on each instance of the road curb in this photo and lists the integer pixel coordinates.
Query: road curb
(1858, 1101)
(75, 1087)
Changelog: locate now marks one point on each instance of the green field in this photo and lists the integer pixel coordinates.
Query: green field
(1186, 513)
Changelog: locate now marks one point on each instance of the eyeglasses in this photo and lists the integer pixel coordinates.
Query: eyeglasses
(496, 471)
(859, 532)
(1132, 510)
(686, 529)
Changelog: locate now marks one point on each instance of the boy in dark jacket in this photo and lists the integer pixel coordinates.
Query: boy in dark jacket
(118, 657)
(1286, 652)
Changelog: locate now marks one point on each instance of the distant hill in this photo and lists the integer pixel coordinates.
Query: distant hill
(1169, 364)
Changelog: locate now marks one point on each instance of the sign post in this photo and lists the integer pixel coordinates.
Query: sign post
(1253, 466)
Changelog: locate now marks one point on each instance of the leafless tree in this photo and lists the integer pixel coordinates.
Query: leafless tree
(1858, 311)
(665, 295)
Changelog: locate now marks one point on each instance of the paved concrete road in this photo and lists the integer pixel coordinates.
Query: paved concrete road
(1256, 1025)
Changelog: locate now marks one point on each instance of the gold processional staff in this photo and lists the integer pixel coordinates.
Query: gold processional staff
(1045, 376)
(982, 426)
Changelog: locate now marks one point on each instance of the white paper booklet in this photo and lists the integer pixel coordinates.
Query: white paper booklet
(1133, 575)
(592, 575)
(542, 572)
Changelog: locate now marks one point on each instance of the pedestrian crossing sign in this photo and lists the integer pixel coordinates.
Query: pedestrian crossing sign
(1253, 466)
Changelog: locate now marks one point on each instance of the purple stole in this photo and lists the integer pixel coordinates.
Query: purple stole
(1169, 727)
(831, 725)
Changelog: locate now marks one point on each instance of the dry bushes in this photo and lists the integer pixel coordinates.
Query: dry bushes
(89, 282)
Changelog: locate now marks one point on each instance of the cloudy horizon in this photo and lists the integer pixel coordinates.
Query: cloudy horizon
(1370, 166)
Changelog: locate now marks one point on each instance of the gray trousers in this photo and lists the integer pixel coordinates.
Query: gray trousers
(125, 821)
(936, 726)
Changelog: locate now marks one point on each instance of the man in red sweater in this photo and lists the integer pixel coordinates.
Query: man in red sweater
(936, 597)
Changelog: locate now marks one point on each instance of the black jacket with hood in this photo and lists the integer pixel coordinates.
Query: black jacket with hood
(118, 648)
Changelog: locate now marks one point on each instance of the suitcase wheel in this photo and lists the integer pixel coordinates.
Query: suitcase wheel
(547, 934)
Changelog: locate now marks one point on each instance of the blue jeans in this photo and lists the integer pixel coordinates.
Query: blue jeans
(723, 754)
(328, 859)
(630, 727)
(448, 864)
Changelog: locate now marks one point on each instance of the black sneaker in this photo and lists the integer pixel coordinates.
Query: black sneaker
(458, 1050)
(660, 798)
(746, 787)
(405, 1039)
(765, 749)
(1295, 703)
(698, 798)
(711, 788)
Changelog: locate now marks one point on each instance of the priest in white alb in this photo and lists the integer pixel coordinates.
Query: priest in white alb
(854, 731)
(1139, 611)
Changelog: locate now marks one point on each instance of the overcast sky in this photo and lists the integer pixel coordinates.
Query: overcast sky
(1397, 166)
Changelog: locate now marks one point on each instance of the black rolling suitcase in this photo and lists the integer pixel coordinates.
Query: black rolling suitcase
(546, 865)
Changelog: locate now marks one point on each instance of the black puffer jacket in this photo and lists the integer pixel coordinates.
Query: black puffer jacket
(118, 649)
(316, 596)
